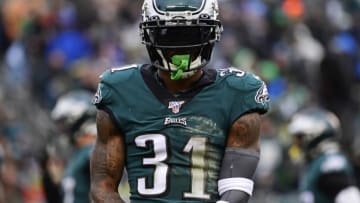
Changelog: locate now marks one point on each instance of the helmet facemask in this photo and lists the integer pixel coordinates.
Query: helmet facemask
(180, 34)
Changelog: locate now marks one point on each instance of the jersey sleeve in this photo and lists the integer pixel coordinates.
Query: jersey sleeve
(112, 82)
(113, 89)
(251, 95)
(103, 98)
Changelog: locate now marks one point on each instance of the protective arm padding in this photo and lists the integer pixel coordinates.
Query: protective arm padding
(236, 174)
(239, 163)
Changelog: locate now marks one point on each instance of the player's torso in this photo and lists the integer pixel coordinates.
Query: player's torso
(326, 163)
(174, 144)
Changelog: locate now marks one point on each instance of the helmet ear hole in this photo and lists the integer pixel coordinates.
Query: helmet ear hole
(204, 16)
(154, 18)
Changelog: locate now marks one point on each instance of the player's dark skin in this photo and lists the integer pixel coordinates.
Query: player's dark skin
(108, 157)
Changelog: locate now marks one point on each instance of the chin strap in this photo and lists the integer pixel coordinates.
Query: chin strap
(181, 62)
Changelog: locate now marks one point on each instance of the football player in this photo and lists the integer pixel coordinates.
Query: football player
(75, 115)
(185, 133)
(328, 175)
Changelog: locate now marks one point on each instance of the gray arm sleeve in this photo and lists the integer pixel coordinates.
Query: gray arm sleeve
(235, 196)
(238, 163)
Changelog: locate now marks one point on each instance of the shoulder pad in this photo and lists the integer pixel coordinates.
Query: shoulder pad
(249, 92)
(241, 80)
(118, 74)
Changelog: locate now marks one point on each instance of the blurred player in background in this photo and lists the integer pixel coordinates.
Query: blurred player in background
(75, 112)
(185, 133)
(328, 175)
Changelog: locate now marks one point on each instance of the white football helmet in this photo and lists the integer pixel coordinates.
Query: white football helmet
(180, 34)
(317, 128)
(73, 109)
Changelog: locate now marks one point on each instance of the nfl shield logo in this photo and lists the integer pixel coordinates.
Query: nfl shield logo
(175, 106)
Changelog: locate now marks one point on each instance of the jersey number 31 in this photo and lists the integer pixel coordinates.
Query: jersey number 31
(196, 146)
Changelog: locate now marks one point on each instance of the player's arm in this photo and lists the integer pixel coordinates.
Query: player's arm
(107, 161)
(240, 160)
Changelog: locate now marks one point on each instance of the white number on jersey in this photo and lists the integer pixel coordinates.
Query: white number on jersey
(196, 147)
(159, 143)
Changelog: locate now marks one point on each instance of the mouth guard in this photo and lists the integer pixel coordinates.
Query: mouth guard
(181, 62)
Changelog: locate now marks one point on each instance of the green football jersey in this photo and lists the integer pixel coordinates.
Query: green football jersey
(76, 181)
(175, 142)
(324, 164)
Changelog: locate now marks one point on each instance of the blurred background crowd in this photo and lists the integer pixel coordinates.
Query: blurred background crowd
(306, 51)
